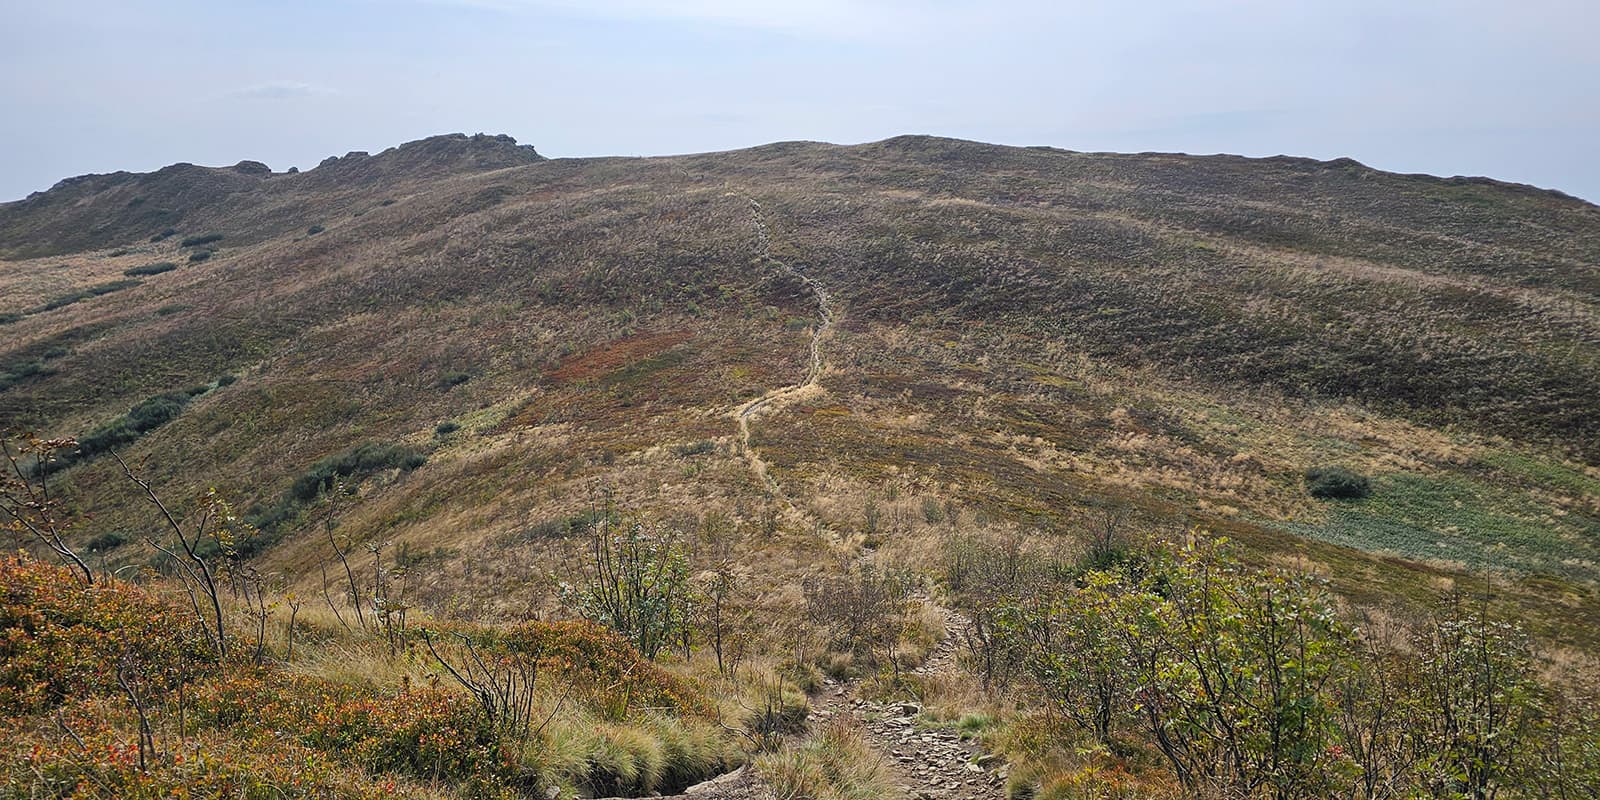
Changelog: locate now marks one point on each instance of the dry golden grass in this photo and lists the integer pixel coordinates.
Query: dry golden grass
(1026, 337)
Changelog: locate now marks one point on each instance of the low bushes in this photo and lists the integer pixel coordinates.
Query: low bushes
(354, 464)
(359, 461)
(83, 294)
(700, 448)
(423, 732)
(1246, 682)
(59, 640)
(196, 241)
(151, 269)
(198, 256)
(13, 374)
(1336, 483)
(616, 678)
(148, 415)
(603, 720)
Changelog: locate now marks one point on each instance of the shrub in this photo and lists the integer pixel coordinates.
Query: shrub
(446, 428)
(1336, 483)
(226, 379)
(107, 541)
(450, 379)
(699, 448)
(863, 610)
(1252, 682)
(199, 256)
(195, 241)
(358, 462)
(151, 269)
(148, 415)
(8, 317)
(156, 411)
(427, 733)
(636, 583)
(314, 230)
(59, 640)
(83, 294)
(13, 374)
(355, 464)
(164, 235)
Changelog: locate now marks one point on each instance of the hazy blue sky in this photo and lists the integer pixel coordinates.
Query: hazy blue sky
(1509, 89)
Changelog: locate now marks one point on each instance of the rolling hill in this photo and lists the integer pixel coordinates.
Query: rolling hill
(1020, 332)
(802, 357)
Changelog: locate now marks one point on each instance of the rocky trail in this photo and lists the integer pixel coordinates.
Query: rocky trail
(930, 763)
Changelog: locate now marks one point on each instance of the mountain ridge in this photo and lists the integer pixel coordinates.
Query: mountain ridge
(1024, 333)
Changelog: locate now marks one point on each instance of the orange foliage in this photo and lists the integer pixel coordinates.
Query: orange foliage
(59, 639)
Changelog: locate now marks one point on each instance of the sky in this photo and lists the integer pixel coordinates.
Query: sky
(1508, 89)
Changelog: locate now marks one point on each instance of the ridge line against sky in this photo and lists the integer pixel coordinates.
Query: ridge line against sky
(1445, 87)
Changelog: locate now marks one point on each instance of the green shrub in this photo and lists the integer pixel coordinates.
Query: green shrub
(8, 317)
(226, 379)
(314, 230)
(699, 448)
(450, 379)
(446, 428)
(356, 463)
(195, 241)
(148, 415)
(163, 235)
(83, 294)
(13, 374)
(563, 527)
(151, 269)
(636, 582)
(107, 541)
(1336, 483)
(199, 256)
(359, 461)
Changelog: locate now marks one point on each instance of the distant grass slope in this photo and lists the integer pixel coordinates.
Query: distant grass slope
(1025, 334)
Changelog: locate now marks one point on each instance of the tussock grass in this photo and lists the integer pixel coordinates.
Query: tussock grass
(836, 763)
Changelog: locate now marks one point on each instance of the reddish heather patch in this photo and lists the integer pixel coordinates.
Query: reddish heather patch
(614, 355)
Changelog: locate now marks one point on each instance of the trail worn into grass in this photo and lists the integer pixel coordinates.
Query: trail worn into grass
(780, 396)
(929, 763)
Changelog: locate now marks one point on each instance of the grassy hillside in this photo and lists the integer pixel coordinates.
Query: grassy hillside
(484, 347)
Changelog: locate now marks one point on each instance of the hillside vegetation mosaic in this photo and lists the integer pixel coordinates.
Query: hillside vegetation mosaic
(923, 468)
